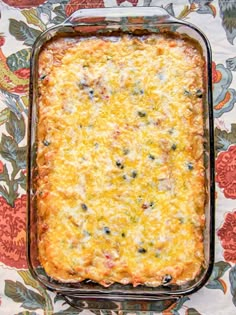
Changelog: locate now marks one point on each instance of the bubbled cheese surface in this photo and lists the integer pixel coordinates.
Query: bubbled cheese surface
(120, 189)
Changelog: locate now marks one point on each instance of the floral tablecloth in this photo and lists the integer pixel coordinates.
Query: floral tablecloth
(21, 21)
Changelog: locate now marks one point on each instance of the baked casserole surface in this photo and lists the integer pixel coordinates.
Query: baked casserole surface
(121, 186)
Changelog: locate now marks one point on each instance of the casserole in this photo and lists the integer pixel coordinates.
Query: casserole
(105, 22)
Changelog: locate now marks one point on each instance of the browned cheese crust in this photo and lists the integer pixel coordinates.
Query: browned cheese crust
(121, 188)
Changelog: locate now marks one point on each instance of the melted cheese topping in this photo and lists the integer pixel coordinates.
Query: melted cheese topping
(120, 189)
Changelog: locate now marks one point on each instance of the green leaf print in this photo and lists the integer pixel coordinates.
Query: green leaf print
(224, 139)
(20, 294)
(215, 284)
(4, 115)
(21, 31)
(22, 180)
(232, 280)
(219, 270)
(192, 311)
(9, 148)
(19, 60)
(31, 16)
(16, 127)
(28, 279)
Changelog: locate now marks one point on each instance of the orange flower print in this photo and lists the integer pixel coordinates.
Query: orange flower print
(227, 236)
(24, 3)
(226, 172)
(12, 233)
(74, 5)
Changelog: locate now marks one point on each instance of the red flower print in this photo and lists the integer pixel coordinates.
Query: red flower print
(23, 73)
(74, 5)
(2, 40)
(1, 167)
(227, 236)
(226, 172)
(12, 233)
(134, 2)
(24, 3)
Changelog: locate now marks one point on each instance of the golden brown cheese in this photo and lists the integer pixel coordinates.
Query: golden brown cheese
(120, 189)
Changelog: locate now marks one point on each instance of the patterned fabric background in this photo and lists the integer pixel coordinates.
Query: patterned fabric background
(21, 21)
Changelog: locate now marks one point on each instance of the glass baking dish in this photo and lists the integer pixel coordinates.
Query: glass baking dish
(102, 21)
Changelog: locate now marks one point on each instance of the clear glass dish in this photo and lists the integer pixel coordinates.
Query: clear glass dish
(95, 22)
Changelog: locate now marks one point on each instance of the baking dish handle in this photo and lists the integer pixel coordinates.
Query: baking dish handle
(119, 303)
(108, 14)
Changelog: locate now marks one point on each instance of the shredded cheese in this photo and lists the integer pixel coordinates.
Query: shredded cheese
(120, 191)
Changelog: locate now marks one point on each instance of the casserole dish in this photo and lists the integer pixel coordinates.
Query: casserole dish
(138, 21)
